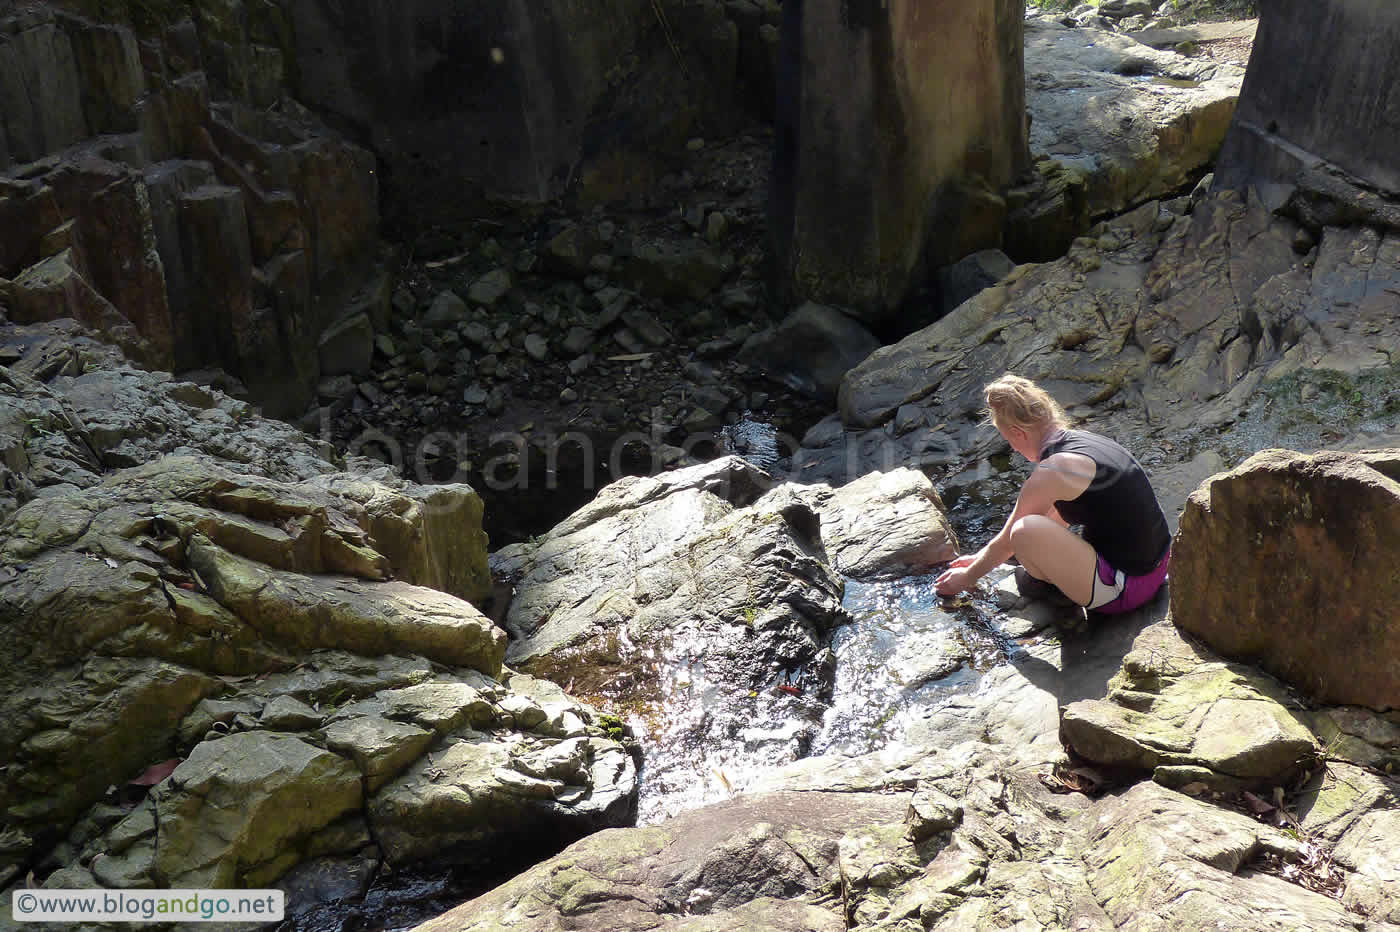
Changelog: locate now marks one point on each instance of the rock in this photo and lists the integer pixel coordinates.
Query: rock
(653, 550)
(1094, 116)
(287, 714)
(1276, 121)
(729, 862)
(474, 395)
(882, 523)
(571, 252)
(536, 347)
(969, 275)
(646, 326)
(1299, 531)
(490, 288)
(347, 347)
(677, 270)
(335, 388)
(577, 340)
(850, 233)
(447, 310)
(233, 809)
(1234, 726)
(811, 350)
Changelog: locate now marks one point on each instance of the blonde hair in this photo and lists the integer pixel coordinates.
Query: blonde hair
(1013, 401)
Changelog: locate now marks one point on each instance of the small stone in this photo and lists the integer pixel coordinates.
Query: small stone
(595, 282)
(438, 384)
(416, 381)
(526, 261)
(578, 340)
(629, 341)
(490, 288)
(335, 388)
(502, 330)
(601, 262)
(699, 420)
(716, 226)
(536, 347)
(476, 333)
(496, 401)
(606, 230)
(646, 326)
(694, 217)
(695, 144)
(474, 395)
(580, 363)
(446, 311)
(385, 345)
(568, 396)
(758, 401)
(371, 393)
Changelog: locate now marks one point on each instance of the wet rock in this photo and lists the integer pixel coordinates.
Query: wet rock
(630, 569)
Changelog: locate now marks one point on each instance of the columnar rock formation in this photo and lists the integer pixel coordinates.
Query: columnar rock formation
(1318, 103)
(899, 124)
(161, 188)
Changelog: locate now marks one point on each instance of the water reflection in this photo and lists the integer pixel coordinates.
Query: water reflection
(906, 651)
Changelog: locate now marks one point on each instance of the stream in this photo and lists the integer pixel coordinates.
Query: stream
(905, 653)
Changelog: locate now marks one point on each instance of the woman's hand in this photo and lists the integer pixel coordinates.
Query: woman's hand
(956, 577)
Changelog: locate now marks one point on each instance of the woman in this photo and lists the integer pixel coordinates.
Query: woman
(1080, 478)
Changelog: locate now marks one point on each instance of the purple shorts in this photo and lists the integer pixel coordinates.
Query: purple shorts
(1117, 592)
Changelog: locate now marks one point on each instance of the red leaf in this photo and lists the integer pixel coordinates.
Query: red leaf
(186, 585)
(1257, 805)
(790, 690)
(157, 772)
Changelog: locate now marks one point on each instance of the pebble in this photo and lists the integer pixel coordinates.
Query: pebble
(695, 144)
(474, 395)
(537, 347)
(568, 396)
(579, 364)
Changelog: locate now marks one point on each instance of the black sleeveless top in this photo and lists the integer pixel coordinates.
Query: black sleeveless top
(1119, 511)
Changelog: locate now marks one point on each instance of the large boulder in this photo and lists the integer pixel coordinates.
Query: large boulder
(1188, 717)
(1116, 123)
(896, 132)
(811, 349)
(1309, 541)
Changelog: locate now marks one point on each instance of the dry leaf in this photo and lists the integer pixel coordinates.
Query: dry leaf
(630, 357)
(1194, 789)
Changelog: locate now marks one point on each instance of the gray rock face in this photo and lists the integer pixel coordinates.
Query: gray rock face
(1282, 129)
(262, 614)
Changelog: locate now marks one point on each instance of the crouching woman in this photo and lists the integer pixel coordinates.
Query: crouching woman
(1077, 478)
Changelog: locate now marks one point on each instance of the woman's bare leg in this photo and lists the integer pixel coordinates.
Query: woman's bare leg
(1050, 552)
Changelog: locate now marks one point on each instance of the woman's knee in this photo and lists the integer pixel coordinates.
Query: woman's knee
(1029, 529)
